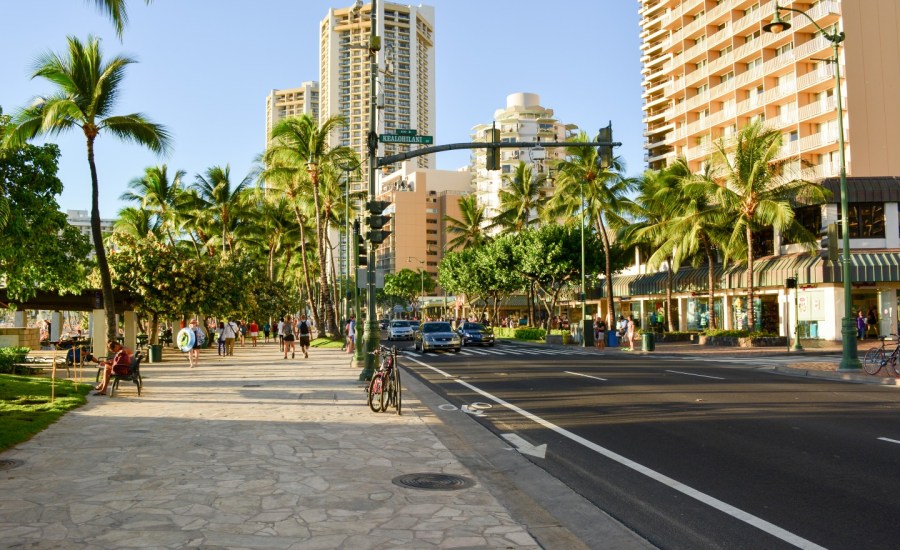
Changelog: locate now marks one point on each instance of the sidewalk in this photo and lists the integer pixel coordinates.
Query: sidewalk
(254, 451)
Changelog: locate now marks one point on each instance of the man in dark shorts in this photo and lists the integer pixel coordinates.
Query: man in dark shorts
(303, 330)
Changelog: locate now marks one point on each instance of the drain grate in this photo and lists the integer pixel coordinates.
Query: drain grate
(439, 482)
(9, 463)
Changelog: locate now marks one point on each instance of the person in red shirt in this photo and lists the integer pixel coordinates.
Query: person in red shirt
(253, 329)
(119, 364)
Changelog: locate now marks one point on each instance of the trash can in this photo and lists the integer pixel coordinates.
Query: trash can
(613, 338)
(648, 341)
(588, 332)
(156, 353)
(813, 329)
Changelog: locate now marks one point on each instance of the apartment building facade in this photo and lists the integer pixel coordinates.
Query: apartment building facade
(281, 104)
(522, 120)
(406, 80)
(709, 68)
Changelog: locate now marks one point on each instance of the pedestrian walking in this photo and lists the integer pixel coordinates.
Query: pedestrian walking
(253, 330)
(266, 331)
(303, 331)
(231, 332)
(350, 330)
(288, 330)
(220, 339)
(281, 334)
(199, 340)
(872, 322)
(600, 338)
(860, 325)
(629, 332)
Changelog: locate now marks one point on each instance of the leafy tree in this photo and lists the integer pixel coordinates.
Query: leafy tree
(39, 250)
(407, 284)
(137, 222)
(87, 87)
(483, 274)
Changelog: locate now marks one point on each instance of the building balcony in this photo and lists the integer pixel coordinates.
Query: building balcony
(787, 150)
(822, 75)
(817, 109)
(819, 141)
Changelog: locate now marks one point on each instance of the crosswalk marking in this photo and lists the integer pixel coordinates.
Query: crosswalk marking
(513, 351)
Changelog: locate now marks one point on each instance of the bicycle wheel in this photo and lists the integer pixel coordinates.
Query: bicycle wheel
(387, 393)
(376, 389)
(398, 393)
(874, 360)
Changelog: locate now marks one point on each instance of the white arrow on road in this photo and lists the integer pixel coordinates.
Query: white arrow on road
(525, 447)
(468, 409)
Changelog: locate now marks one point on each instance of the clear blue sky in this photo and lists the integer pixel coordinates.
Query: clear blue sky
(205, 67)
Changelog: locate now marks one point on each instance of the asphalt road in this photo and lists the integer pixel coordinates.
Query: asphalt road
(693, 454)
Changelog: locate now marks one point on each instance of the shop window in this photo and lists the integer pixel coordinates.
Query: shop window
(810, 217)
(866, 220)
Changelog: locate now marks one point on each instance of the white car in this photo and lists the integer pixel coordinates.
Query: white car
(400, 330)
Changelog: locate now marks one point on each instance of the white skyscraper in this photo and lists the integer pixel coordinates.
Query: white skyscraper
(281, 104)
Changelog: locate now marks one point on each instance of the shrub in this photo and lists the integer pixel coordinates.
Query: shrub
(739, 333)
(528, 333)
(9, 357)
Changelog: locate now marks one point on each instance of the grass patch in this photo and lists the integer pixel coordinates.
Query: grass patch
(327, 343)
(25, 407)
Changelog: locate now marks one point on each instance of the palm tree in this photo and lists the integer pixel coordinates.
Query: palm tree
(87, 87)
(602, 189)
(137, 222)
(156, 193)
(470, 228)
(754, 194)
(218, 197)
(300, 141)
(522, 199)
(116, 11)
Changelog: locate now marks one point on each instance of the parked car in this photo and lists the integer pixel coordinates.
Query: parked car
(414, 324)
(436, 335)
(400, 330)
(476, 334)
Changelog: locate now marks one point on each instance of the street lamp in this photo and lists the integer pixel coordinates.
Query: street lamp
(409, 259)
(850, 358)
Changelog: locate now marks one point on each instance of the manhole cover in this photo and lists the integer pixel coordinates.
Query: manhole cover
(440, 482)
(9, 463)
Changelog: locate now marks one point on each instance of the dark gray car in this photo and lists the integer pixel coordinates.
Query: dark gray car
(476, 334)
(436, 335)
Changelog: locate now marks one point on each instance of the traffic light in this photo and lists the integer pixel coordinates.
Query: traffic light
(493, 153)
(790, 282)
(362, 255)
(605, 152)
(376, 220)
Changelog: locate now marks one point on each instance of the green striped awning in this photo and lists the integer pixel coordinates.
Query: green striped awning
(774, 270)
(867, 267)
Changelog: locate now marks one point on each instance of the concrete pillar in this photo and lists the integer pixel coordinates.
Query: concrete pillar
(682, 314)
(21, 319)
(727, 314)
(98, 332)
(887, 307)
(55, 326)
(130, 330)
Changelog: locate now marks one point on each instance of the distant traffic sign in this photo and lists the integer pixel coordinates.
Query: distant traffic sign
(399, 138)
(406, 131)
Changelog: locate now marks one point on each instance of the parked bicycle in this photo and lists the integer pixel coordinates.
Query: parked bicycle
(384, 390)
(876, 359)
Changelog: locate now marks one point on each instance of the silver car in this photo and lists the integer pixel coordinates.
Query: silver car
(400, 330)
(437, 335)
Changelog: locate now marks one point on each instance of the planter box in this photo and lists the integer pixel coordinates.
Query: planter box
(734, 341)
(554, 339)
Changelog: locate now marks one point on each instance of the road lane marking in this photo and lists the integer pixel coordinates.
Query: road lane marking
(709, 500)
(889, 440)
(692, 374)
(525, 447)
(585, 375)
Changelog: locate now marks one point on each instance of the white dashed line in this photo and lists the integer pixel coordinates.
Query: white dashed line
(692, 374)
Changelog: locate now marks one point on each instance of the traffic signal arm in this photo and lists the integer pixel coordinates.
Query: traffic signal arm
(393, 159)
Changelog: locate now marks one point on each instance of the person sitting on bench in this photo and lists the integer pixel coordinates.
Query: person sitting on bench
(119, 364)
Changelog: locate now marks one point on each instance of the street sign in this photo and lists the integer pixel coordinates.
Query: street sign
(399, 138)
(406, 131)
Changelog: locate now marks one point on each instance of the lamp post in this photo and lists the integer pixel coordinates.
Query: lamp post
(584, 324)
(849, 358)
(409, 259)
(371, 335)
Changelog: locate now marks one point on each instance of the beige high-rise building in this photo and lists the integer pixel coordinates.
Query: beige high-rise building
(281, 104)
(406, 83)
(709, 68)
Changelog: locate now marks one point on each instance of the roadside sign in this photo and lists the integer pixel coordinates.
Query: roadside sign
(406, 131)
(399, 138)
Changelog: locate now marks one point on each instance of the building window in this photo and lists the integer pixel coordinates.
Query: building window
(810, 217)
(866, 220)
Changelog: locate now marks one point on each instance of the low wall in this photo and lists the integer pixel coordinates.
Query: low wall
(735, 342)
(20, 337)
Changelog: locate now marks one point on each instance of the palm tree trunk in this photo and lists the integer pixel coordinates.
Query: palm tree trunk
(713, 321)
(751, 325)
(607, 270)
(306, 278)
(670, 281)
(109, 305)
(327, 305)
